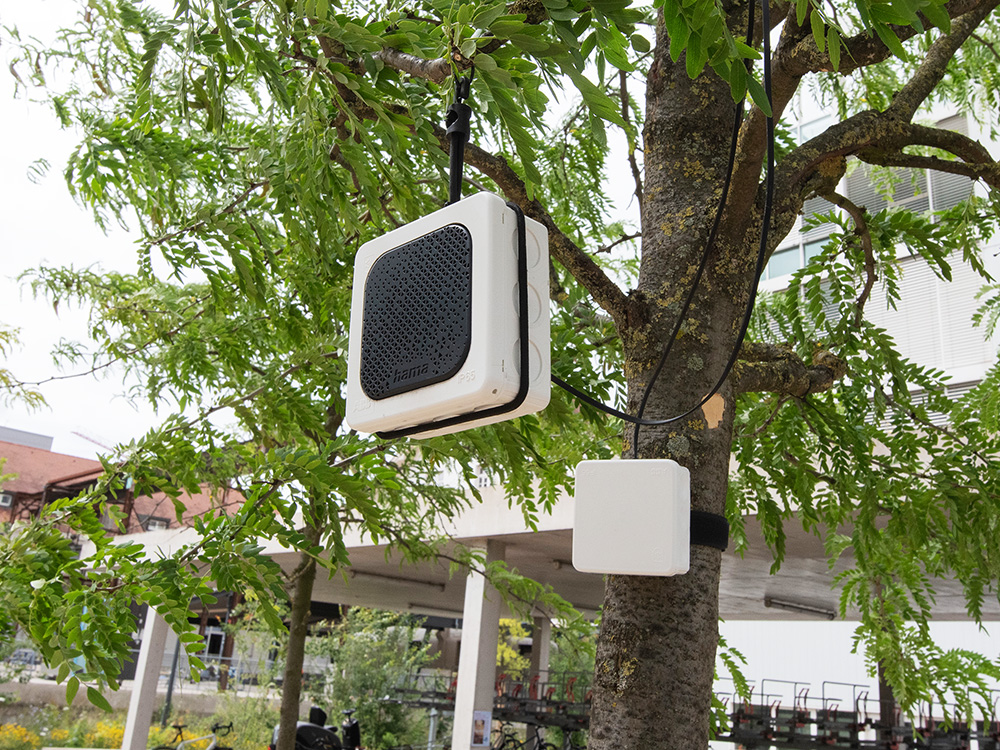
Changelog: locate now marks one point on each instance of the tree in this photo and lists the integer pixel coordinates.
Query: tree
(248, 357)
(259, 143)
(372, 654)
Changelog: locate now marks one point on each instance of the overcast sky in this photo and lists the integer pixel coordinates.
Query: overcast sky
(41, 224)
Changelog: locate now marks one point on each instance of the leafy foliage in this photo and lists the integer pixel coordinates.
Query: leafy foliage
(256, 145)
(371, 653)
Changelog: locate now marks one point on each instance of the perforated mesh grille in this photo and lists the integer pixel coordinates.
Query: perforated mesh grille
(417, 321)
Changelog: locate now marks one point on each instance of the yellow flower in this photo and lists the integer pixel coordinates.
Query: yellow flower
(15, 737)
(105, 734)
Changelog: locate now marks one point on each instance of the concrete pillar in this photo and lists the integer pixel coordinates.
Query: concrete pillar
(478, 658)
(147, 675)
(541, 642)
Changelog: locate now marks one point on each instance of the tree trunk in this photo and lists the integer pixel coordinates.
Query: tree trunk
(656, 648)
(291, 688)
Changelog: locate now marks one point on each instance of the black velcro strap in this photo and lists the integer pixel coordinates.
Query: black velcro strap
(709, 530)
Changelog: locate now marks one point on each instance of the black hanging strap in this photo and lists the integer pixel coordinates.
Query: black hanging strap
(458, 122)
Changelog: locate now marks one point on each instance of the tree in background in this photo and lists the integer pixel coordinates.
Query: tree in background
(510, 660)
(257, 144)
(372, 654)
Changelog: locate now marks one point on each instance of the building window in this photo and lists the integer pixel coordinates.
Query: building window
(153, 523)
(803, 245)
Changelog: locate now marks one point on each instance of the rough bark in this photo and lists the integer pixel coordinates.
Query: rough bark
(291, 689)
(656, 649)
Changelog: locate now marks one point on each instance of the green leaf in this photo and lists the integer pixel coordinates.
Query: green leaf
(937, 15)
(889, 38)
(529, 43)
(484, 18)
(758, 95)
(737, 80)
(71, 689)
(640, 43)
(95, 697)
(678, 31)
(833, 44)
(508, 25)
(485, 62)
(801, 10)
(818, 29)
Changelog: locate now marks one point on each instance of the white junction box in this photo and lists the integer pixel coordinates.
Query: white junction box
(435, 324)
(632, 518)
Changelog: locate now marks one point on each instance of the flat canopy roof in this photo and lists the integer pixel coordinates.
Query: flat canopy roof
(801, 590)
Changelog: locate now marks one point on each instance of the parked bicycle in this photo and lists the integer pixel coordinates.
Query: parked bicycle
(505, 738)
(179, 743)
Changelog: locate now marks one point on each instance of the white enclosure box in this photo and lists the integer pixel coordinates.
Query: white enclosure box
(435, 326)
(632, 518)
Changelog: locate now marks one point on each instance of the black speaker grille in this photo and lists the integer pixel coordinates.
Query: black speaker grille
(417, 319)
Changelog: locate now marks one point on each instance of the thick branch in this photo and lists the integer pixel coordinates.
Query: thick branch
(777, 369)
(989, 173)
(935, 63)
(978, 162)
(433, 70)
(859, 51)
(591, 276)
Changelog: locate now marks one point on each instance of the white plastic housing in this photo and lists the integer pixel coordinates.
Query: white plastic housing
(632, 518)
(490, 375)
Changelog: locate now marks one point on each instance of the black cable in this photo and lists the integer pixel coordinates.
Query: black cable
(590, 400)
(638, 421)
(765, 232)
(709, 245)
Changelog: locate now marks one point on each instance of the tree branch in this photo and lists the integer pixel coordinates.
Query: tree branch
(591, 276)
(989, 173)
(859, 51)
(986, 44)
(624, 238)
(977, 162)
(229, 209)
(436, 71)
(777, 369)
(857, 214)
(935, 63)
(636, 174)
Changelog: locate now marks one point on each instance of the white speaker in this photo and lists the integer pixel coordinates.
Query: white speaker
(450, 322)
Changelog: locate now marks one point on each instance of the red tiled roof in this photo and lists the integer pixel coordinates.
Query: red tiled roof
(159, 505)
(36, 468)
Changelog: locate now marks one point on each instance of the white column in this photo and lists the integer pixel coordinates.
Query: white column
(478, 658)
(541, 641)
(147, 675)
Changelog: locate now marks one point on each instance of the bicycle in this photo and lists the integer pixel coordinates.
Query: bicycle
(179, 743)
(506, 740)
